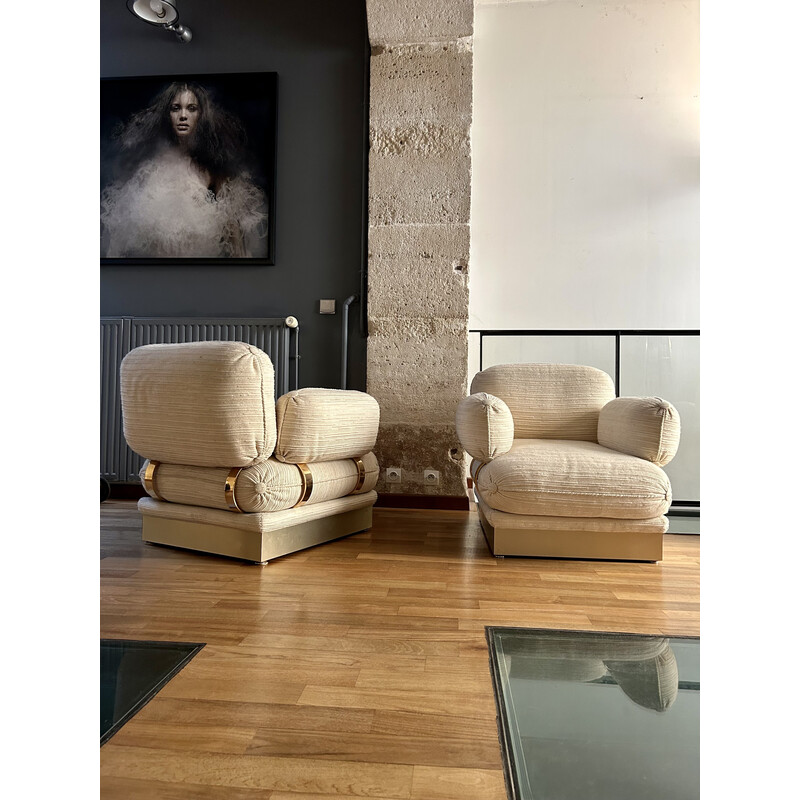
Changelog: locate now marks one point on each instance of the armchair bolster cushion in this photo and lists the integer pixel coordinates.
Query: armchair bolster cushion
(207, 404)
(325, 425)
(646, 427)
(484, 426)
(268, 486)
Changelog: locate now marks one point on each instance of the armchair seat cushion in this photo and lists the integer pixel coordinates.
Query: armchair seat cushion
(568, 478)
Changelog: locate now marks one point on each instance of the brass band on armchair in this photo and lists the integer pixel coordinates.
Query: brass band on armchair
(230, 489)
(150, 480)
(308, 484)
(362, 474)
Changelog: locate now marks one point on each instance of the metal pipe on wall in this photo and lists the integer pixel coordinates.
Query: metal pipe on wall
(345, 323)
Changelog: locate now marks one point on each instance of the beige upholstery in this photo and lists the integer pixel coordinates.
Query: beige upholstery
(210, 404)
(204, 416)
(562, 478)
(268, 486)
(647, 427)
(254, 537)
(549, 401)
(485, 426)
(582, 477)
(259, 523)
(325, 425)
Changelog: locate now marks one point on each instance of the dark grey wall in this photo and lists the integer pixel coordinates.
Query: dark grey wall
(319, 50)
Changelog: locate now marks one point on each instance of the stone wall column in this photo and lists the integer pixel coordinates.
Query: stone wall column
(419, 236)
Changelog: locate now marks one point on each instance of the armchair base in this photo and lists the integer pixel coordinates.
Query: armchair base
(526, 536)
(255, 543)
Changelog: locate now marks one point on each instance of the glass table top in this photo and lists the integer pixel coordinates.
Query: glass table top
(131, 673)
(596, 716)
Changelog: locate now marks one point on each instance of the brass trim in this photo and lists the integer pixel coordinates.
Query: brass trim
(230, 489)
(362, 474)
(150, 480)
(308, 484)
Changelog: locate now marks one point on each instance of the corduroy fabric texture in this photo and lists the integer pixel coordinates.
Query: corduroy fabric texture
(531, 522)
(645, 669)
(604, 647)
(257, 523)
(549, 401)
(325, 425)
(484, 426)
(652, 683)
(561, 478)
(205, 404)
(268, 486)
(647, 427)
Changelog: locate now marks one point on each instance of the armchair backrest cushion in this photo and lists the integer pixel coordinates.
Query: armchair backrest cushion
(549, 401)
(204, 404)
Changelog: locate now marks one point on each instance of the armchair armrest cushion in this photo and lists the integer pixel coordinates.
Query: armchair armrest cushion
(325, 425)
(484, 426)
(646, 427)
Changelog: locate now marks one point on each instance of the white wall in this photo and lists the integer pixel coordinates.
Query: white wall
(585, 188)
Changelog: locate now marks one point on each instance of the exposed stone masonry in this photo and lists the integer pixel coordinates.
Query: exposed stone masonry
(419, 237)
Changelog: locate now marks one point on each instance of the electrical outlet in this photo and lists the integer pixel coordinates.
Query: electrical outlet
(431, 477)
(393, 475)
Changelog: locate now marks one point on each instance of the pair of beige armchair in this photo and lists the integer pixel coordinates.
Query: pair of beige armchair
(561, 467)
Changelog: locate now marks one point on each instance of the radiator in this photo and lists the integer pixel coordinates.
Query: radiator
(278, 337)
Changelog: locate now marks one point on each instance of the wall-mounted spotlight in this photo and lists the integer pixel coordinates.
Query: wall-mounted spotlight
(162, 14)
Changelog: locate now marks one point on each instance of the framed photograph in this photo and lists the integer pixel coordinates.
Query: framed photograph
(187, 169)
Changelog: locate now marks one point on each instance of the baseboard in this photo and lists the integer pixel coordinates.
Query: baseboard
(438, 502)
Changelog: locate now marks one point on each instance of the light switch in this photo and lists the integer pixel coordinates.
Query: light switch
(327, 306)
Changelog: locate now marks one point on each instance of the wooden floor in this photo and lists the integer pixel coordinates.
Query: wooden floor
(356, 668)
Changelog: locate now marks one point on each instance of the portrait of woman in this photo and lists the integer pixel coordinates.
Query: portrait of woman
(182, 178)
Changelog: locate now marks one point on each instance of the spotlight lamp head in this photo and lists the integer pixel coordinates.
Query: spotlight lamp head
(162, 14)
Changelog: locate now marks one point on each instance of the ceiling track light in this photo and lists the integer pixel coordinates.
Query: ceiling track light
(162, 14)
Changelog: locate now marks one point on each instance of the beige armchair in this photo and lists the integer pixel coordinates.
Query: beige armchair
(563, 468)
(234, 472)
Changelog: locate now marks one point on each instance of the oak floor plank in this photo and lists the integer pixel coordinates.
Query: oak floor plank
(479, 704)
(364, 642)
(453, 726)
(446, 784)
(258, 772)
(197, 737)
(388, 747)
(445, 682)
(359, 668)
(135, 789)
(251, 715)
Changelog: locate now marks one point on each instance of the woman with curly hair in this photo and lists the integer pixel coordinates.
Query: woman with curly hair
(183, 190)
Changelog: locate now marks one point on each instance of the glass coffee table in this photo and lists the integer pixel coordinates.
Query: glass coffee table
(597, 716)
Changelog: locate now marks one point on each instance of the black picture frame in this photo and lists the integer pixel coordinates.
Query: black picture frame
(251, 98)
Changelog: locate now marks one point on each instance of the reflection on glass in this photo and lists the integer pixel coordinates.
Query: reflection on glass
(131, 673)
(598, 716)
(669, 367)
(590, 350)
